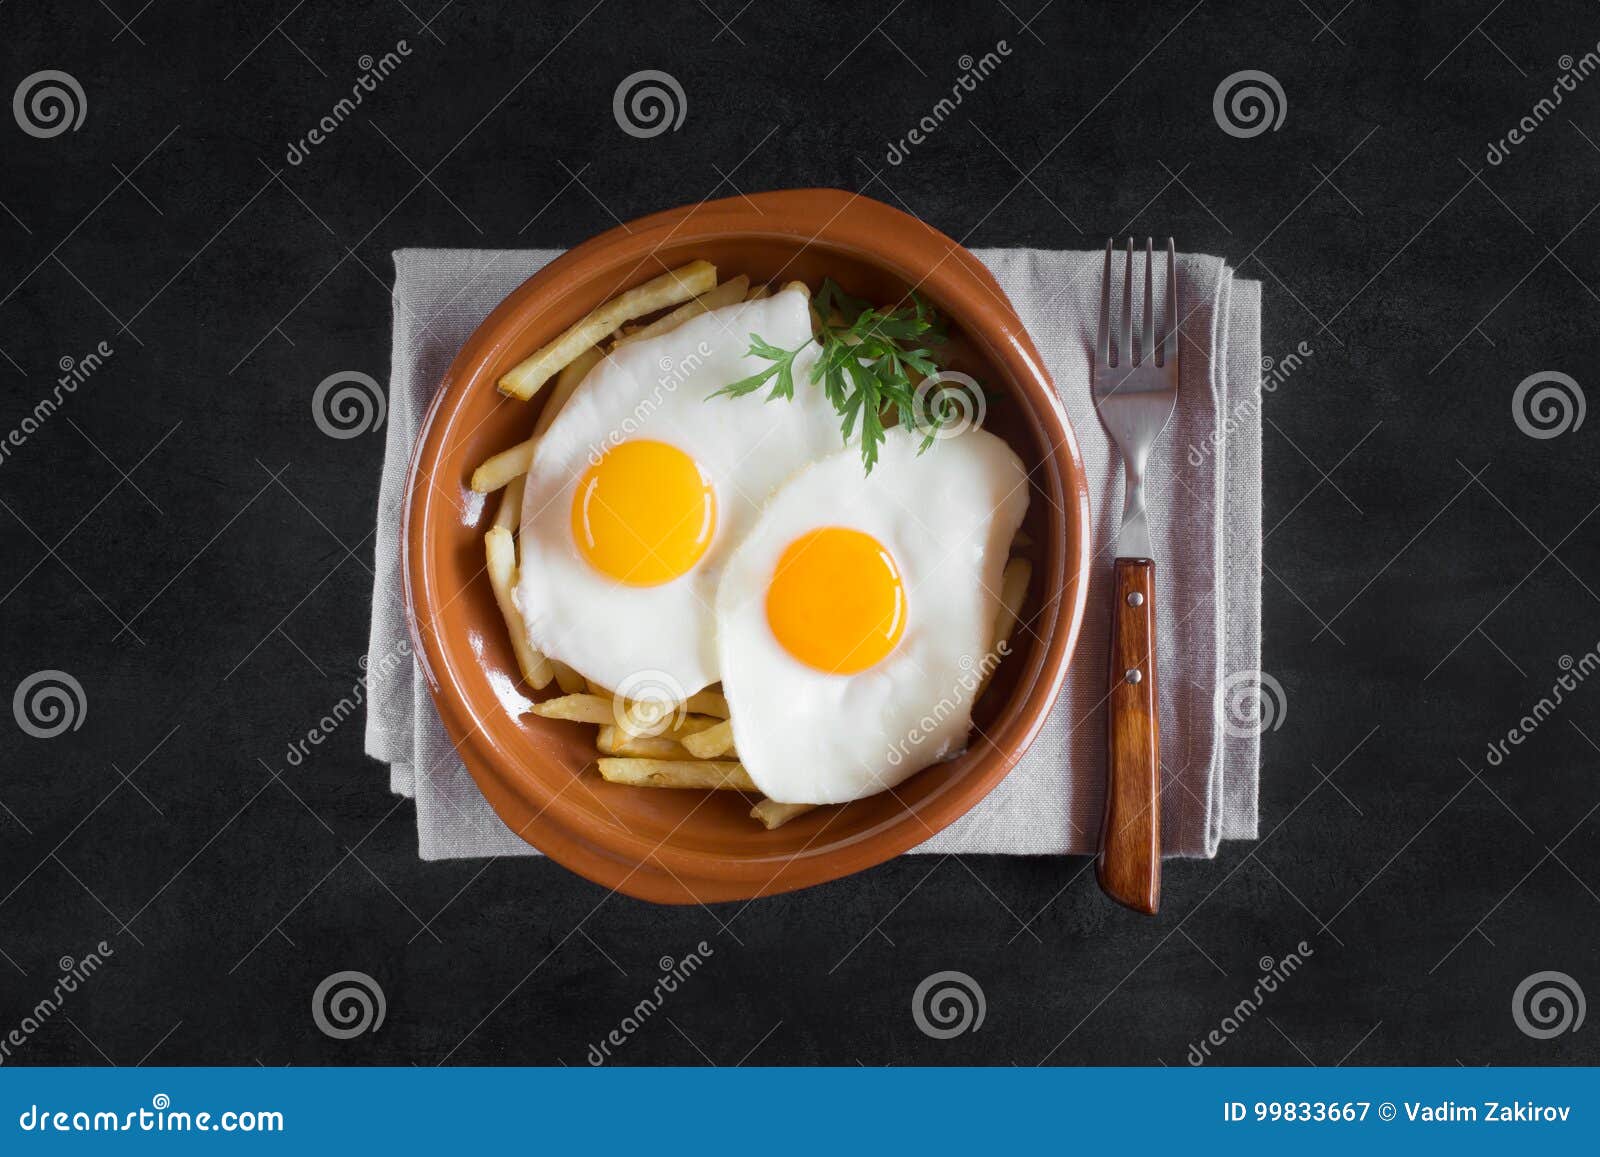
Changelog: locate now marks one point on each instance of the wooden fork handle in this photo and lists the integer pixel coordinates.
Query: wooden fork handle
(1129, 867)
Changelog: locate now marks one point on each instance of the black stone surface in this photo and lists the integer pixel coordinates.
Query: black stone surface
(181, 539)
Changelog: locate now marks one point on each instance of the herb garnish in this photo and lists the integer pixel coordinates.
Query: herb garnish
(866, 365)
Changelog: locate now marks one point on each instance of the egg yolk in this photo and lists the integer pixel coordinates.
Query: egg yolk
(836, 601)
(644, 514)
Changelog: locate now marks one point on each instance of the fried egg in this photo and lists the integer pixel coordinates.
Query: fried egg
(855, 621)
(641, 486)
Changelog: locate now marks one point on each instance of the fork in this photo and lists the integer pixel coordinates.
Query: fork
(1135, 393)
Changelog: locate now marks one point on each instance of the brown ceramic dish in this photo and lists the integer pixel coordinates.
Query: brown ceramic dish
(680, 846)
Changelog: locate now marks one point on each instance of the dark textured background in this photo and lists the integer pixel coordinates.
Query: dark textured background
(1428, 563)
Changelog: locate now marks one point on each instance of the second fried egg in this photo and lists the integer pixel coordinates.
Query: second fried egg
(640, 488)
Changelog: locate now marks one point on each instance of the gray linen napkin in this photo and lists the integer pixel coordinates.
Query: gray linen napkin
(1205, 518)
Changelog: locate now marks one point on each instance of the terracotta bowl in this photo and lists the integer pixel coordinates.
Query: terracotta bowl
(676, 846)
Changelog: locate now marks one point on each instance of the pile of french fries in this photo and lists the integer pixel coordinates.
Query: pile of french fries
(640, 744)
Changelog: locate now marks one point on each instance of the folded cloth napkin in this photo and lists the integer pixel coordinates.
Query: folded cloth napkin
(1204, 488)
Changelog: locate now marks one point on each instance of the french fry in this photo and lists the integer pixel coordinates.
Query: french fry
(725, 775)
(582, 708)
(509, 514)
(712, 742)
(567, 679)
(691, 725)
(677, 733)
(577, 708)
(612, 740)
(1022, 541)
(700, 703)
(515, 461)
(502, 556)
(773, 814)
(708, 703)
(566, 381)
(671, 288)
(503, 467)
(725, 294)
(800, 285)
(758, 293)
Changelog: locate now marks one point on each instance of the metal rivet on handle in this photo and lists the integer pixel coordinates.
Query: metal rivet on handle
(1135, 599)
(1132, 675)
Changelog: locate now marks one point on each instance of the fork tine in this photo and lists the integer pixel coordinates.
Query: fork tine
(1169, 349)
(1125, 346)
(1147, 347)
(1103, 343)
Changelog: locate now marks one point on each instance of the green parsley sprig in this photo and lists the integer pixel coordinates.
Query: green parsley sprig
(866, 365)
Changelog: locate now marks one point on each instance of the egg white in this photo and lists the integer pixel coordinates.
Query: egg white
(657, 389)
(947, 517)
